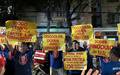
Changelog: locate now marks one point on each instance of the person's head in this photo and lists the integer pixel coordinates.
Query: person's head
(118, 44)
(5, 47)
(115, 54)
(2, 47)
(75, 44)
(23, 47)
(85, 44)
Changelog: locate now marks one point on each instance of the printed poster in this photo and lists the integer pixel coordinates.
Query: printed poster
(53, 41)
(75, 60)
(101, 47)
(21, 31)
(82, 33)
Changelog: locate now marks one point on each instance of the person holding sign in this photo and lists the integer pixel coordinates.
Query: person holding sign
(89, 57)
(9, 66)
(115, 54)
(3, 56)
(75, 48)
(56, 62)
(22, 58)
(113, 66)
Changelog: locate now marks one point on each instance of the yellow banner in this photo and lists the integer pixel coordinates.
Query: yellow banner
(101, 47)
(82, 32)
(21, 31)
(119, 32)
(53, 41)
(75, 60)
(2, 35)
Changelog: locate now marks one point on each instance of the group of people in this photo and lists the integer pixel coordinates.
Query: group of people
(95, 65)
(18, 60)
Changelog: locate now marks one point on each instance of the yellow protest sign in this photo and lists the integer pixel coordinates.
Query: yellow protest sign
(2, 35)
(21, 31)
(101, 47)
(75, 60)
(119, 32)
(82, 32)
(53, 41)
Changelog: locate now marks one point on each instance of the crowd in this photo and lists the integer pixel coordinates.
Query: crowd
(19, 60)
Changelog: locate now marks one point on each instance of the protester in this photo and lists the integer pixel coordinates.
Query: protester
(115, 54)
(9, 67)
(85, 45)
(4, 56)
(2, 64)
(23, 60)
(56, 62)
(112, 66)
(75, 48)
(89, 57)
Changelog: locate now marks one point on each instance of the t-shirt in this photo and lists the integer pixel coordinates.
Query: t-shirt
(56, 63)
(23, 63)
(109, 68)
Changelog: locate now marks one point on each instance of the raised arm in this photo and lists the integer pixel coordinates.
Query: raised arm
(8, 45)
(36, 44)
